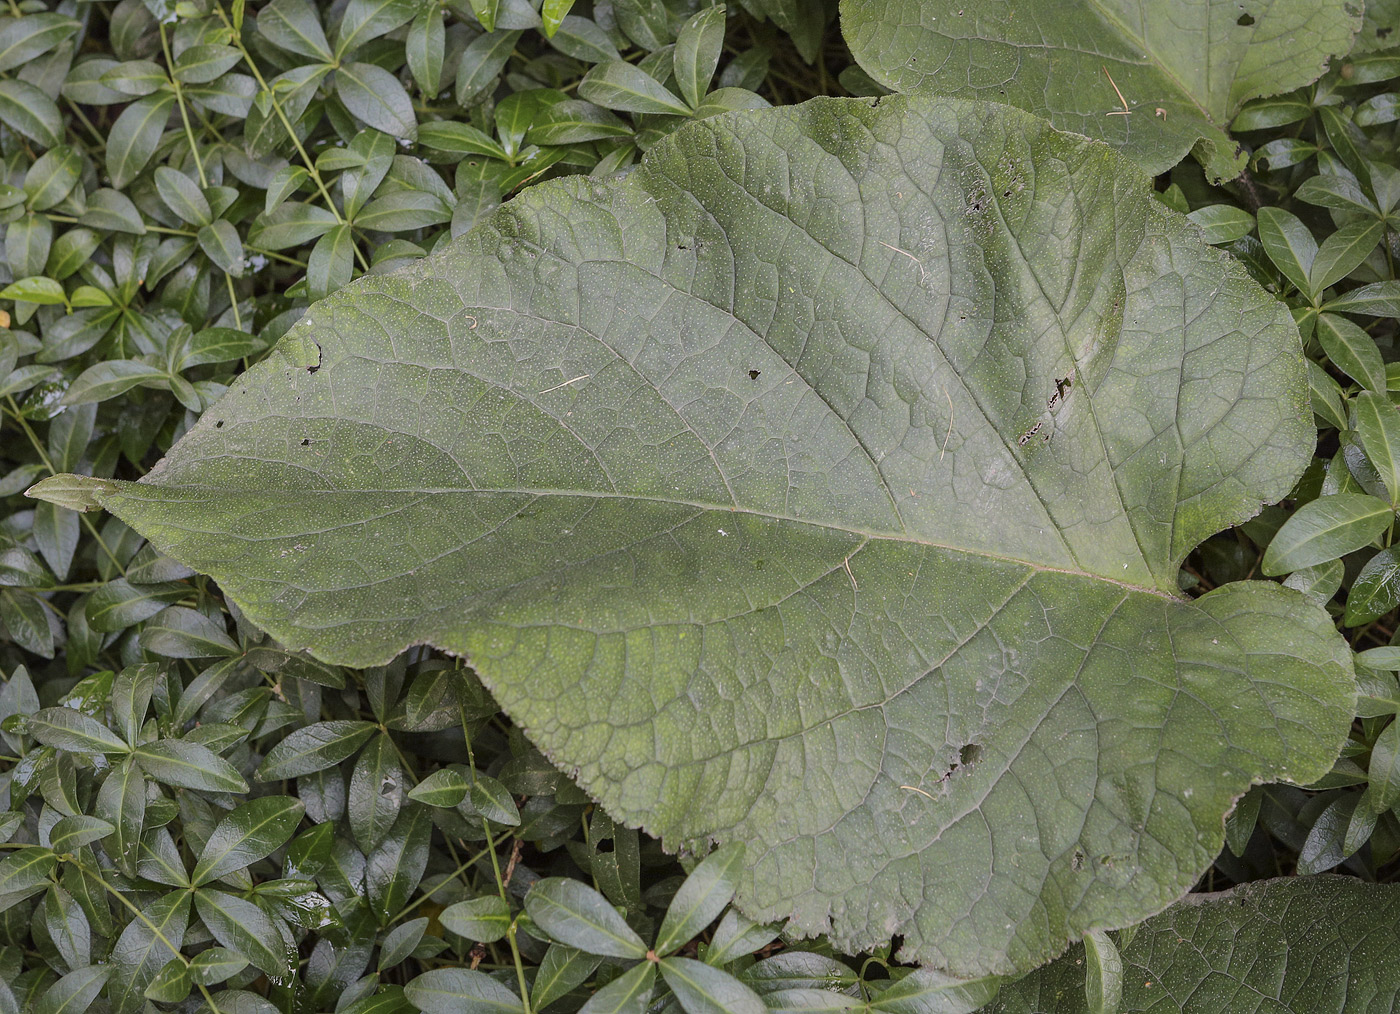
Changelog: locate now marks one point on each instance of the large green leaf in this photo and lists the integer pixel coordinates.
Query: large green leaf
(1302, 945)
(822, 484)
(1154, 79)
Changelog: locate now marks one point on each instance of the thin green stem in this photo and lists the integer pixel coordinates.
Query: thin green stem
(48, 465)
(180, 101)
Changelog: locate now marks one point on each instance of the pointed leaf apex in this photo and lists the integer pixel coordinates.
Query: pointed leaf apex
(76, 492)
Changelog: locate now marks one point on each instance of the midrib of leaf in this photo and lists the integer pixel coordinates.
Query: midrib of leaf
(127, 490)
(1167, 71)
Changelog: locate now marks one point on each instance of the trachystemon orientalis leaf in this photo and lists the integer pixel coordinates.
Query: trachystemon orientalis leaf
(822, 484)
(1153, 79)
(1300, 945)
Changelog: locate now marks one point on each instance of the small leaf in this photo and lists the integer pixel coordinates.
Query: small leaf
(1379, 299)
(1104, 973)
(1289, 245)
(553, 13)
(736, 936)
(1326, 529)
(444, 787)
(698, 48)
(629, 993)
(314, 748)
(179, 632)
(76, 830)
(490, 799)
(293, 25)
(1323, 848)
(702, 989)
(134, 136)
(26, 870)
(243, 928)
(107, 380)
(171, 984)
(376, 793)
(75, 992)
(28, 111)
(483, 920)
(1383, 792)
(1342, 253)
(574, 914)
(561, 970)
(220, 243)
(701, 899)
(375, 96)
(183, 196)
(250, 832)
(36, 289)
(460, 991)
(188, 765)
(1223, 223)
(67, 729)
(625, 86)
(1378, 427)
(400, 942)
(930, 991)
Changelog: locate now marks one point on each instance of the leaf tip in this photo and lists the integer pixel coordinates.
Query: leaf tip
(75, 492)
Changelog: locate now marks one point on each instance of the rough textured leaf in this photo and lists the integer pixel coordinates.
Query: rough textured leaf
(885, 428)
(1305, 945)
(1183, 67)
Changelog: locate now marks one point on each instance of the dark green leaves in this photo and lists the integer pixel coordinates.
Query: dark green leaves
(1326, 529)
(249, 833)
(314, 748)
(700, 899)
(460, 991)
(575, 914)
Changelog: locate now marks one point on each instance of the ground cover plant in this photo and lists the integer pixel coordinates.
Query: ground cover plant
(834, 483)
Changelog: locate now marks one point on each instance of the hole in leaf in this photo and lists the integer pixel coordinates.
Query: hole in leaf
(306, 442)
(1245, 20)
(969, 753)
(219, 425)
(753, 374)
(604, 846)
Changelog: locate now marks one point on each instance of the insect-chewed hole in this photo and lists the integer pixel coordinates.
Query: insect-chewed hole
(1245, 20)
(604, 846)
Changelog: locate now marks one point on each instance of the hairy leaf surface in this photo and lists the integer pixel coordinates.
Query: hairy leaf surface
(1153, 79)
(822, 484)
(1301, 945)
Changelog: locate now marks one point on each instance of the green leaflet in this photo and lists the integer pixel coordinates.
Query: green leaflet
(1152, 79)
(822, 484)
(1256, 948)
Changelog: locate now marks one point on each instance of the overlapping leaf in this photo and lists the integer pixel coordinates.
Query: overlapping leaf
(1304, 945)
(1153, 79)
(822, 484)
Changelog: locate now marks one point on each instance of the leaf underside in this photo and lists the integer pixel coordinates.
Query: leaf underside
(822, 485)
(1299, 945)
(1182, 67)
